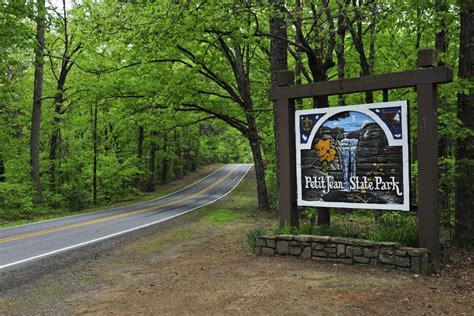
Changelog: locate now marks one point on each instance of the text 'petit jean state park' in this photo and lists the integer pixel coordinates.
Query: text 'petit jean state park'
(237, 157)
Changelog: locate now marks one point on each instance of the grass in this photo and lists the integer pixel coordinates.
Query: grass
(392, 226)
(223, 216)
(45, 213)
(152, 246)
(177, 234)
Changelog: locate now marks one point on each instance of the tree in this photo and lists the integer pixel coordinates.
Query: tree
(65, 60)
(316, 38)
(37, 99)
(464, 229)
(367, 62)
(230, 79)
(340, 46)
(278, 59)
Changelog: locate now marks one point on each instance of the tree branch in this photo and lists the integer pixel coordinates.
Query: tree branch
(216, 94)
(236, 123)
(190, 123)
(208, 73)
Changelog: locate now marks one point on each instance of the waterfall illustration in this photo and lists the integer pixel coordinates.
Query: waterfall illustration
(348, 149)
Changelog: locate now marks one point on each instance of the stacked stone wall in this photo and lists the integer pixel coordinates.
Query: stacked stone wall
(347, 251)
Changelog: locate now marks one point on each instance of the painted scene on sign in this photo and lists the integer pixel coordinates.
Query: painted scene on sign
(350, 159)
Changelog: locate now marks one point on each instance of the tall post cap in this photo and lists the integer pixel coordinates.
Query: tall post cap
(285, 78)
(427, 58)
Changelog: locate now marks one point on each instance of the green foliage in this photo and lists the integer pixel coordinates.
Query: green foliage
(271, 177)
(132, 71)
(76, 181)
(223, 216)
(116, 178)
(287, 230)
(397, 227)
(251, 236)
(392, 226)
(15, 201)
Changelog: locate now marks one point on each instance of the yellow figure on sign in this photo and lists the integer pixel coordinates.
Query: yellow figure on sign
(307, 124)
(324, 151)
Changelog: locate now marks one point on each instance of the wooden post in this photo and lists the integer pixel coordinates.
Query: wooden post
(286, 153)
(428, 206)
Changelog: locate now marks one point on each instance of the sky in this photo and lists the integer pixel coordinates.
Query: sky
(353, 122)
(59, 3)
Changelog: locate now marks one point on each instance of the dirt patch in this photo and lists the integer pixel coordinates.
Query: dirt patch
(200, 265)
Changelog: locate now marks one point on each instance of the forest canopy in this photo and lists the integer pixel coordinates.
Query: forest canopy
(103, 100)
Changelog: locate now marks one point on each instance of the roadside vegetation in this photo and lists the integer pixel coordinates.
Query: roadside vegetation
(12, 218)
(391, 226)
(102, 101)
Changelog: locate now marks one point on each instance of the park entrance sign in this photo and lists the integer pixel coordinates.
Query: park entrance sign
(353, 156)
(425, 80)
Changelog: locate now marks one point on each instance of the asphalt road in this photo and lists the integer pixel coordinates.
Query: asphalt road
(26, 243)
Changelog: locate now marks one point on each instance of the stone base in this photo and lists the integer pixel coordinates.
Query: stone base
(347, 251)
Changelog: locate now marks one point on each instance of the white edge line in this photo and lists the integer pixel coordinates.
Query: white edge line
(114, 208)
(124, 231)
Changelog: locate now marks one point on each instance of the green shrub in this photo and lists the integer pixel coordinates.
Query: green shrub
(392, 226)
(15, 201)
(307, 229)
(76, 183)
(251, 238)
(287, 230)
(397, 227)
(75, 195)
(271, 179)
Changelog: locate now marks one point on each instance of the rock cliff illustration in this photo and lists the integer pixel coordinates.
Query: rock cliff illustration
(350, 160)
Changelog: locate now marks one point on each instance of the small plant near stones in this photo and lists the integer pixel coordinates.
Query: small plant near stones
(251, 238)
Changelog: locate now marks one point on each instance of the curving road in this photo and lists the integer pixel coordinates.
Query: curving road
(30, 242)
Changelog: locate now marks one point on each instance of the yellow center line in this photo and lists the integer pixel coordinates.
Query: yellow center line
(112, 217)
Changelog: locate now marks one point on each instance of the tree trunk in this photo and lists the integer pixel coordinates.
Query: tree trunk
(2, 171)
(187, 152)
(53, 145)
(278, 41)
(464, 230)
(341, 59)
(373, 21)
(165, 164)
(140, 137)
(358, 39)
(242, 77)
(151, 169)
(177, 165)
(95, 140)
(278, 62)
(262, 193)
(194, 161)
(441, 44)
(37, 96)
(418, 28)
(55, 136)
(319, 74)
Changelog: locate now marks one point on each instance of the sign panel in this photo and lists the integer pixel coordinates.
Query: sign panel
(353, 156)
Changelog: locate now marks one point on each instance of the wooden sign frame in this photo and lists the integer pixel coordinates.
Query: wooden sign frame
(424, 80)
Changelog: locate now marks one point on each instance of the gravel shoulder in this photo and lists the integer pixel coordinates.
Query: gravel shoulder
(198, 264)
